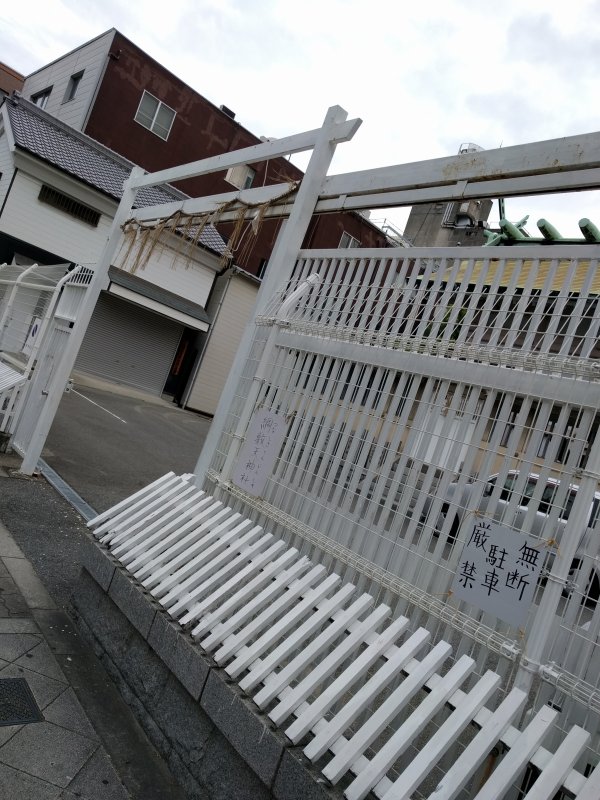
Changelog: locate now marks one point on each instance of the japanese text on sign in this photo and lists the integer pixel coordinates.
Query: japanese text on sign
(498, 571)
(261, 448)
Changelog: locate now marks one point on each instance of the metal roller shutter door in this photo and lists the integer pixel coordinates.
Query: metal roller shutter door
(128, 344)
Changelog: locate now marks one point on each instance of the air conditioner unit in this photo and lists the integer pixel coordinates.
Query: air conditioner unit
(241, 176)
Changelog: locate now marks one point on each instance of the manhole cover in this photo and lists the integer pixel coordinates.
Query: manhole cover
(17, 703)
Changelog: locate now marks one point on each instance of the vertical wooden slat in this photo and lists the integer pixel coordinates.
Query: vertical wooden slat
(551, 778)
(480, 747)
(327, 665)
(432, 750)
(312, 650)
(333, 729)
(307, 623)
(396, 702)
(518, 756)
(344, 682)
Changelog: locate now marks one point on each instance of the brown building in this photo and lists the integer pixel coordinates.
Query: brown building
(116, 93)
(10, 80)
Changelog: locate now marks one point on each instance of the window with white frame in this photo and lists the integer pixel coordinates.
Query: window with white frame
(348, 241)
(155, 115)
(40, 99)
(72, 86)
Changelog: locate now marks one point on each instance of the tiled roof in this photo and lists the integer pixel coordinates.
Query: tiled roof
(81, 156)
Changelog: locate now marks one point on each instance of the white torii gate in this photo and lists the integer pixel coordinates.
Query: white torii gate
(560, 165)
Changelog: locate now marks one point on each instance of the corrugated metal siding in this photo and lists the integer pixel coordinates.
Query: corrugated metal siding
(129, 345)
(227, 332)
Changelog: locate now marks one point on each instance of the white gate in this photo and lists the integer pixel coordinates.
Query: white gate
(38, 310)
(430, 404)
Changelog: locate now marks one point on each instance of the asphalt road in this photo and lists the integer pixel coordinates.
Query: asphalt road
(107, 445)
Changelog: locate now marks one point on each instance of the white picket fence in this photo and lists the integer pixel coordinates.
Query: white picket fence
(373, 701)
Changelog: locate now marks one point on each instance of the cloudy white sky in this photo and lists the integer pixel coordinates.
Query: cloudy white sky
(423, 76)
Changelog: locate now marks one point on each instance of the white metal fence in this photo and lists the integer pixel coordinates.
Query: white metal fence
(38, 309)
(423, 395)
(372, 702)
(423, 390)
(26, 303)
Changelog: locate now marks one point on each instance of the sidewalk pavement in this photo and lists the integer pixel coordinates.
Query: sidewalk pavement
(49, 748)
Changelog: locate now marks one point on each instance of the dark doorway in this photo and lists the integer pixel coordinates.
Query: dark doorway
(182, 365)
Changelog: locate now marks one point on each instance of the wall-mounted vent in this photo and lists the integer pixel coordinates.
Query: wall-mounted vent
(70, 206)
(228, 111)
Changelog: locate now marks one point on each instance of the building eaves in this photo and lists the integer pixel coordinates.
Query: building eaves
(51, 140)
(245, 274)
(157, 293)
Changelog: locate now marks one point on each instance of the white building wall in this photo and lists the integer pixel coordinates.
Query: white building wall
(6, 168)
(91, 59)
(38, 224)
(172, 271)
(228, 328)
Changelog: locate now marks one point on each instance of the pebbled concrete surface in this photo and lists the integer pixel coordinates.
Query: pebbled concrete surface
(89, 746)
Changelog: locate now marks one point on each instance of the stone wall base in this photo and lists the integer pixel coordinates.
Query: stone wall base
(216, 742)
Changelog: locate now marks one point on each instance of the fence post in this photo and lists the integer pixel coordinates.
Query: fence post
(60, 375)
(279, 269)
(543, 625)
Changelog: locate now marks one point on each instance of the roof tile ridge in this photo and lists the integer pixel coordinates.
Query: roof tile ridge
(17, 100)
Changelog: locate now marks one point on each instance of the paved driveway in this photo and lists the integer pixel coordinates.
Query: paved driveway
(107, 445)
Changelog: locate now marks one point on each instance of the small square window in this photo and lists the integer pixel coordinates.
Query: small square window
(72, 87)
(40, 99)
(348, 241)
(155, 116)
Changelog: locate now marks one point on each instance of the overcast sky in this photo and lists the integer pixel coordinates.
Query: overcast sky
(423, 76)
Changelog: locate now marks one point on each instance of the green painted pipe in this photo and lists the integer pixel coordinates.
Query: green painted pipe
(511, 230)
(589, 230)
(548, 230)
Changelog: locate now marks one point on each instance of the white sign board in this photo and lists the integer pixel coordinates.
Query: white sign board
(261, 448)
(498, 571)
(27, 348)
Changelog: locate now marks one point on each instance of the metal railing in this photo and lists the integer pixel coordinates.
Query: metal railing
(422, 391)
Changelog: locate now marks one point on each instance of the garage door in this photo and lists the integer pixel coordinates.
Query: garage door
(128, 344)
